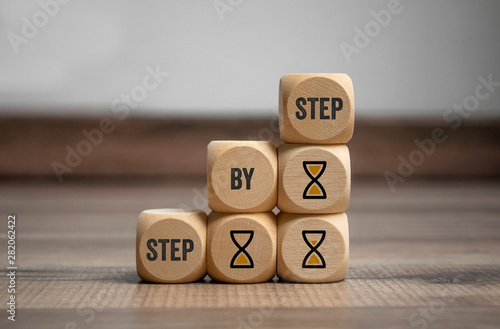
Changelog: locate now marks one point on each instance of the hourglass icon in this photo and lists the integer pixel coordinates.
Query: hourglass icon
(241, 258)
(314, 190)
(313, 258)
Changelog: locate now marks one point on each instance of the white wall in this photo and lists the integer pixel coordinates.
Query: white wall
(426, 59)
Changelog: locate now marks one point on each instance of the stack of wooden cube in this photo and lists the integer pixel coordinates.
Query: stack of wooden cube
(308, 178)
(316, 120)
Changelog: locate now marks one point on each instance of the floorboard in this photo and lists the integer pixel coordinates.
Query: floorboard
(427, 254)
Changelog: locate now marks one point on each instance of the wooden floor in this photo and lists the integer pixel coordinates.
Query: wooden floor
(425, 256)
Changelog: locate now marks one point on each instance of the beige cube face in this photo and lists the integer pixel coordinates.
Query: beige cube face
(171, 245)
(241, 247)
(316, 108)
(314, 178)
(313, 248)
(242, 176)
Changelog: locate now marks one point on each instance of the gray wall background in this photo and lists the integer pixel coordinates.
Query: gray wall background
(90, 52)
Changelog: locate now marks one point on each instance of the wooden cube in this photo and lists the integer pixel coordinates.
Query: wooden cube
(313, 178)
(312, 247)
(241, 247)
(316, 108)
(171, 245)
(242, 176)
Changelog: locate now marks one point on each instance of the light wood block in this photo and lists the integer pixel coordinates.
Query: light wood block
(316, 108)
(171, 245)
(314, 178)
(242, 176)
(312, 247)
(241, 247)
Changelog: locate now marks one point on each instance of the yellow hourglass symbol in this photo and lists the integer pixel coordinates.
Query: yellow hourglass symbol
(313, 258)
(314, 190)
(241, 258)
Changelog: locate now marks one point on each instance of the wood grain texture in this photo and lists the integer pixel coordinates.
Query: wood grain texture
(140, 147)
(241, 247)
(316, 108)
(313, 248)
(427, 245)
(314, 178)
(242, 176)
(171, 245)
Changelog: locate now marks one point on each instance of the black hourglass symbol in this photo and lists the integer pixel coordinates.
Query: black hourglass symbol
(314, 190)
(314, 239)
(242, 258)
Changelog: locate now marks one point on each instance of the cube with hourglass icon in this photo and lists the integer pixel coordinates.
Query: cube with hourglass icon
(241, 247)
(313, 178)
(310, 183)
(312, 247)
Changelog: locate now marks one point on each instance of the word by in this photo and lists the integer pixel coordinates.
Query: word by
(236, 182)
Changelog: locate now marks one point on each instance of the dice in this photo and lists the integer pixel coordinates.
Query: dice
(241, 247)
(308, 178)
(316, 108)
(242, 176)
(171, 245)
(312, 247)
(314, 178)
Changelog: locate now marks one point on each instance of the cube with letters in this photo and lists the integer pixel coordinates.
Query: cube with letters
(316, 108)
(171, 245)
(242, 176)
